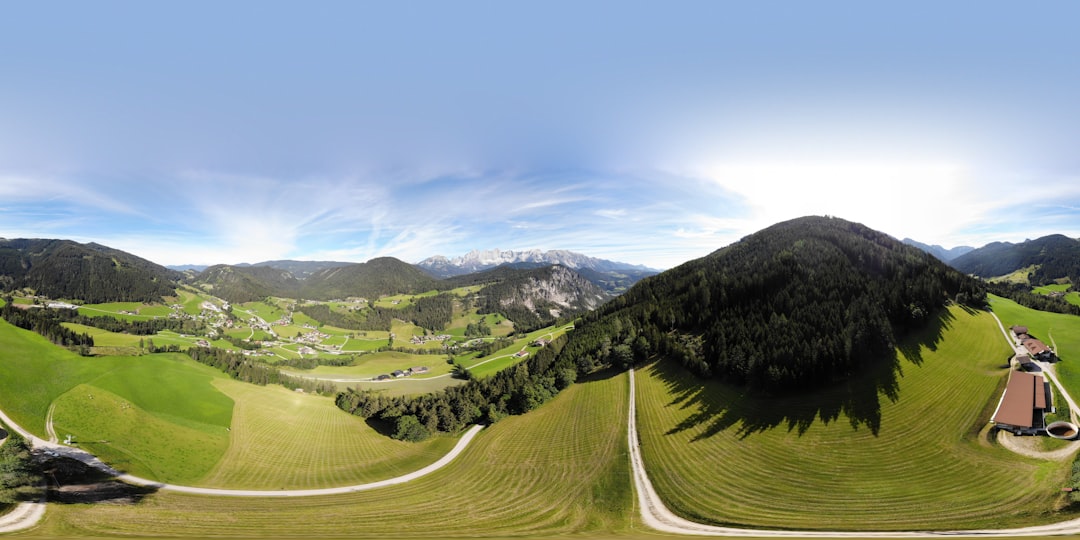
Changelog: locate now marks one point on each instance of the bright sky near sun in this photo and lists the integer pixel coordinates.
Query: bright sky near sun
(644, 132)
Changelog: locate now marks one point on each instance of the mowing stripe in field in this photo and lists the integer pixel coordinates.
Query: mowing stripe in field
(718, 456)
(558, 470)
(286, 440)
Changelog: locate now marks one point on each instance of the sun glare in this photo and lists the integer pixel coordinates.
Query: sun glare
(911, 199)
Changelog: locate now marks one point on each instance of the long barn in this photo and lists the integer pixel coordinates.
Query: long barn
(1023, 404)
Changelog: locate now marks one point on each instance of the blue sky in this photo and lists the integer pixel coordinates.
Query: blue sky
(646, 132)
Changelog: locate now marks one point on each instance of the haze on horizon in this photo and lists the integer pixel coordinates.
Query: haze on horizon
(202, 133)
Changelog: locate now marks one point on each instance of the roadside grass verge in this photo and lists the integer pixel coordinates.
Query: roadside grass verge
(287, 440)
(559, 470)
(718, 455)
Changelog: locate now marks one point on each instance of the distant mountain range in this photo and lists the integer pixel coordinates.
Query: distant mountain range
(479, 260)
(941, 253)
(611, 276)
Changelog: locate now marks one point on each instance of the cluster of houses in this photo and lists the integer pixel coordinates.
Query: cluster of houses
(397, 374)
(1035, 348)
(420, 340)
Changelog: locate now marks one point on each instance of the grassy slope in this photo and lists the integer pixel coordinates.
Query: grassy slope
(285, 440)
(558, 470)
(745, 464)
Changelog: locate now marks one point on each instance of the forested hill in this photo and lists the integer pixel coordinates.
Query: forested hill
(248, 283)
(802, 302)
(1055, 256)
(376, 277)
(89, 272)
(384, 275)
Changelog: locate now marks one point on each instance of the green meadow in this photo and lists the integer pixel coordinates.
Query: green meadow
(1072, 297)
(168, 418)
(559, 470)
(899, 449)
(1060, 331)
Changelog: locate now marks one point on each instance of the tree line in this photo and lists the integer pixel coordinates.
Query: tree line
(244, 369)
(48, 323)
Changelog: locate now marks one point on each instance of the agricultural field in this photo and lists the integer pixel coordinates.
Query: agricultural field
(135, 311)
(1072, 297)
(505, 484)
(903, 450)
(1018, 276)
(282, 439)
(168, 418)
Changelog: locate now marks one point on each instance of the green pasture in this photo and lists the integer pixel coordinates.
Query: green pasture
(268, 313)
(1072, 297)
(498, 324)
(190, 300)
(34, 372)
(504, 358)
(1060, 331)
(880, 452)
(107, 339)
(143, 311)
(370, 342)
(559, 471)
(372, 365)
(134, 440)
(287, 440)
(1018, 276)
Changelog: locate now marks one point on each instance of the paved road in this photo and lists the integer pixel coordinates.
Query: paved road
(657, 516)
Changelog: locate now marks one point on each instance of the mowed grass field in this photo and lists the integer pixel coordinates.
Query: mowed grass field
(559, 470)
(718, 456)
(168, 418)
(287, 440)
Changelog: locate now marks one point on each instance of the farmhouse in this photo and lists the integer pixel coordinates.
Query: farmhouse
(418, 369)
(1023, 404)
(1019, 330)
(1037, 349)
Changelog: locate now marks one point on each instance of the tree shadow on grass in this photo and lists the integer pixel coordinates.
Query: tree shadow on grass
(74, 482)
(721, 407)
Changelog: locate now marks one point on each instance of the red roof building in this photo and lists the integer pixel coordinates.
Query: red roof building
(1023, 404)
